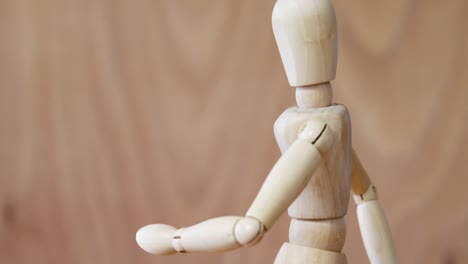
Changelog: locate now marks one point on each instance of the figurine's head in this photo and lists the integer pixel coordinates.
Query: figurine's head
(305, 31)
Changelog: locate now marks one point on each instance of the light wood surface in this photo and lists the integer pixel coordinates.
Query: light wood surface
(326, 194)
(286, 181)
(360, 181)
(306, 35)
(218, 234)
(328, 234)
(290, 253)
(376, 233)
(121, 113)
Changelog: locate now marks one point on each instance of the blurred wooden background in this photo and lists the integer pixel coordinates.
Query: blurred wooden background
(117, 114)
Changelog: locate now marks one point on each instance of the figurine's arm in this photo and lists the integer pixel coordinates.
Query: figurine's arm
(285, 182)
(373, 224)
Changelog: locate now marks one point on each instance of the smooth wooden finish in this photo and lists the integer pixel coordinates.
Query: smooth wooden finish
(312, 176)
(290, 254)
(248, 231)
(100, 135)
(360, 181)
(369, 195)
(373, 224)
(156, 239)
(327, 194)
(286, 181)
(317, 230)
(376, 233)
(214, 235)
(314, 96)
(329, 235)
(306, 35)
(217, 234)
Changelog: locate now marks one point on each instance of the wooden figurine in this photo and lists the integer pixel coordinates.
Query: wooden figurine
(317, 169)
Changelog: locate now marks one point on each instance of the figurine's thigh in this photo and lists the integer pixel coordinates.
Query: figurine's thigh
(294, 254)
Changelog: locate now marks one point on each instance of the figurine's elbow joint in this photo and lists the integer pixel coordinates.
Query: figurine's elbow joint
(369, 195)
(248, 231)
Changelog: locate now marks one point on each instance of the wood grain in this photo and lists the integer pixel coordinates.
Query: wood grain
(116, 114)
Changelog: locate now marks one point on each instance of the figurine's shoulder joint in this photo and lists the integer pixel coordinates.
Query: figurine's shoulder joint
(318, 133)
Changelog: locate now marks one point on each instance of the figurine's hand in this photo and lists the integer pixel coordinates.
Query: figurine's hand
(156, 239)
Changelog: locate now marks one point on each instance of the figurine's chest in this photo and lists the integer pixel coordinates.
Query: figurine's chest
(327, 193)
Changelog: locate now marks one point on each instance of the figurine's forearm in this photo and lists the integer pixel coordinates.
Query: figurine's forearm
(286, 180)
(213, 235)
(375, 230)
(209, 236)
(218, 234)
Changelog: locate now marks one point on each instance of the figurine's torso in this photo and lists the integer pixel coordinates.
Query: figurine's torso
(326, 196)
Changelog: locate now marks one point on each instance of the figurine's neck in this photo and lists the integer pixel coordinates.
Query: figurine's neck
(314, 96)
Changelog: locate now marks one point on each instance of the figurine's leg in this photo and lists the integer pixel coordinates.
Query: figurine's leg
(314, 242)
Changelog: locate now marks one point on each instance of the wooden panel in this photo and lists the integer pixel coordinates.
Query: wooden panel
(116, 114)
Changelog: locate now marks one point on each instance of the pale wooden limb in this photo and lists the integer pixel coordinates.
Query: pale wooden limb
(284, 183)
(218, 235)
(213, 235)
(360, 181)
(291, 173)
(376, 233)
(373, 224)
(156, 239)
